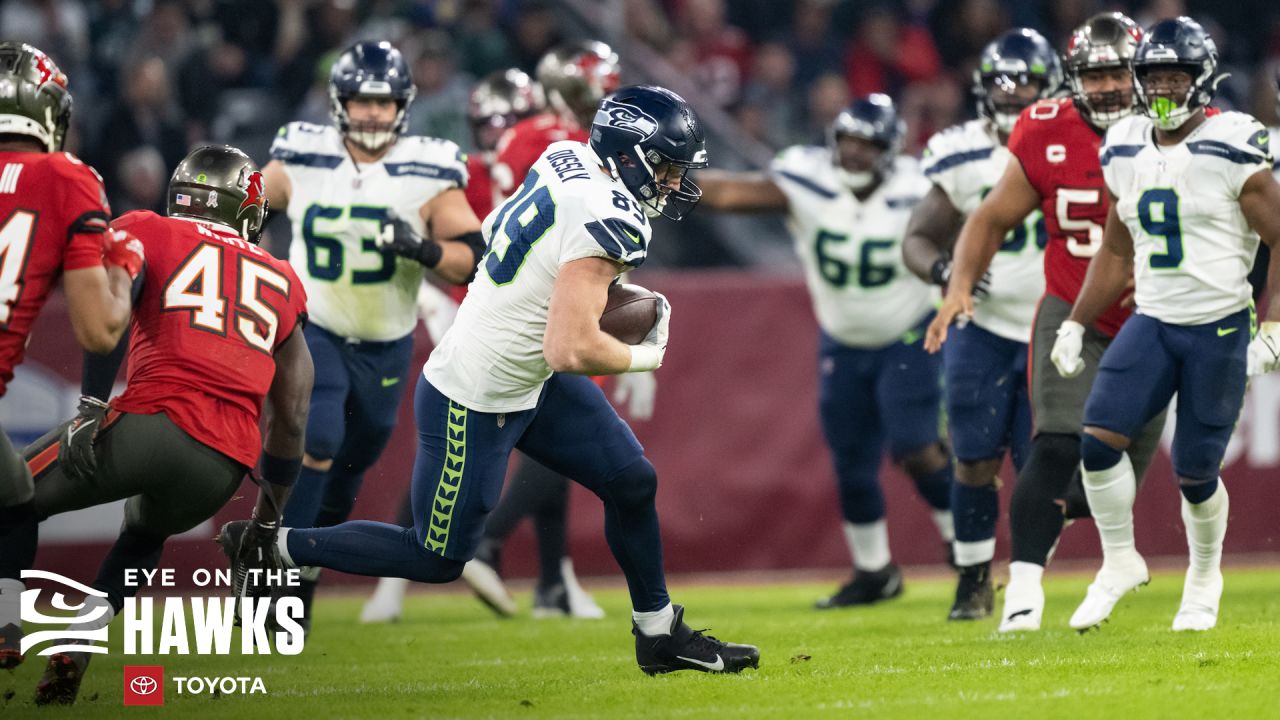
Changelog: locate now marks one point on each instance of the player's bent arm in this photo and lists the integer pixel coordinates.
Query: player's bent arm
(1109, 271)
(276, 183)
(451, 222)
(930, 232)
(740, 192)
(1260, 204)
(287, 404)
(1004, 208)
(99, 301)
(574, 342)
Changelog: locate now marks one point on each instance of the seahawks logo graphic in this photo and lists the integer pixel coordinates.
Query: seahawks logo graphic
(626, 117)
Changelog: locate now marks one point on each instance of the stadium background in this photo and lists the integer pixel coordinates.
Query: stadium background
(746, 482)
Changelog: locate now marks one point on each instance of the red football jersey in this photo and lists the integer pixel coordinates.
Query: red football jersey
(480, 191)
(213, 310)
(522, 145)
(1058, 151)
(53, 212)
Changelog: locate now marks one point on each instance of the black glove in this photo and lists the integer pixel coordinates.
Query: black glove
(399, 237)
(940, 275)
(75, 446)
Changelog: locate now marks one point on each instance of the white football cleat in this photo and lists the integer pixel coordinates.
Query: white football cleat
(1199, 609)
(1120, 574)
(581, 604)
(386, 603)
(1023, 606)
(488, 586)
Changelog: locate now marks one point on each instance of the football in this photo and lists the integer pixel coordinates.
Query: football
(629, 313)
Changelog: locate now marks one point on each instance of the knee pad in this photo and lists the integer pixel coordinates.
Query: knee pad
(636, 484)
(1097, 455)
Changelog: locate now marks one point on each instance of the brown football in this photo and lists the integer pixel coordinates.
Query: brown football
(629, 313)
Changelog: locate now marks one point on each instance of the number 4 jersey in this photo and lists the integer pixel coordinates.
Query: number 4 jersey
(568, 209)
(1058, 152)
(212, 312)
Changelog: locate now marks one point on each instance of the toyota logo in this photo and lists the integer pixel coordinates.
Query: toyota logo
(143, 685)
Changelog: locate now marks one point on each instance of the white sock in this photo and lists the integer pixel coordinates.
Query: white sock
(1111, 494)
(91, 605)
(282, 546)
(657, 622)
(1025, 572)
(868, 544)
(946, 523)
(973, 553)
(1206, 525)
(11, 601)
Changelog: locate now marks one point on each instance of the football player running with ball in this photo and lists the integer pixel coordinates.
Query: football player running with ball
(512, 373)
(847, 207)
(985, 364)
(1054, 167)
(1190, 196)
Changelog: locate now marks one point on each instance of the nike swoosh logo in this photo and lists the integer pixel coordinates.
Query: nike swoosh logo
(634, 237)
(1020, 613)
(1223, 332)
(388, 382)
(716, 666)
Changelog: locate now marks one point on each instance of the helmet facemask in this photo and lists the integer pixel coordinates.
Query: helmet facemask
(1108, 107)
(661, 185)
(1006, 95)
(369, 135)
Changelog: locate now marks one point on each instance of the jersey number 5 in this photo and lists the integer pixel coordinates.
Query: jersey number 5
(196, 287)
(1084, 236)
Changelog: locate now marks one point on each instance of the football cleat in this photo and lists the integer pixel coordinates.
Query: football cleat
(10, 646)
(975, 598)
(248, 547)
(481, 573)
(1023, 606)
(1199, 608)
(1119, 574)
(866, 588)
(688, 649)
(60, 683)
(386, 603)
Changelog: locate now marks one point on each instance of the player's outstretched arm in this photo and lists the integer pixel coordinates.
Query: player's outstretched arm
(574, 342)
(449, 216)
(1109, 274)
(740, 192)
(287, 403)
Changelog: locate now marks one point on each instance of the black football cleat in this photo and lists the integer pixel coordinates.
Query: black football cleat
(975, 598)
(10, 646)
(866, 588)
(688, 649)
(60, 683)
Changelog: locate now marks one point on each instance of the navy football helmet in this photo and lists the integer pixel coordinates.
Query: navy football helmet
(875, 118)
(1178, 44)
(1019, 57)
(370, 69)
(649, 138)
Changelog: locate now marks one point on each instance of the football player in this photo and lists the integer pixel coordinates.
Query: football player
(1190, 195)
(370, 209)
(985, 364)
(847, 207)
(216, 334)
(53, 222)
(1055, 167)
(511, 373)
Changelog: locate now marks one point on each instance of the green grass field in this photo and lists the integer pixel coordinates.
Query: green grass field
(449, 657)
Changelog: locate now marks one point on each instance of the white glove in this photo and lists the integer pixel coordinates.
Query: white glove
(649, 353)
(637, 391)
(1264, 349)
(436, 309)
(1067, 348)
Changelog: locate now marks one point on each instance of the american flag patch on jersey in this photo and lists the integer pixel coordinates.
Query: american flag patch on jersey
(182, 199)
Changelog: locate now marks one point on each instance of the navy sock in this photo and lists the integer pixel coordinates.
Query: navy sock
(975, 510)
(368, 548)
(304, 501)
(1097, 455)
(631, 529)
(1199, 492)
(936, 488)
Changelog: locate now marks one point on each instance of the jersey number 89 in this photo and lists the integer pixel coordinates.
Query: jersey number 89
(522, 221)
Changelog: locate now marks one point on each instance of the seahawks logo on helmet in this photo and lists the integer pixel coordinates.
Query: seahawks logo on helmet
(626, 117)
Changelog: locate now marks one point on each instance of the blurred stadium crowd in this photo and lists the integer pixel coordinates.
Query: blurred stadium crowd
(154, 77)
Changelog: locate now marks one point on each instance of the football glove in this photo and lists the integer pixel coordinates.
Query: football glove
(75, 447)
(940, 275)
(1264, 349)
(121, 249)
(649, 353)
(637, 391)
(399, 237)
(1067, 349)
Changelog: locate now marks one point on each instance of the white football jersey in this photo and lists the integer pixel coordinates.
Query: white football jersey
(851, 250)
(1192, 247)
(336, 208)
(966, 161)
(491, 360)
